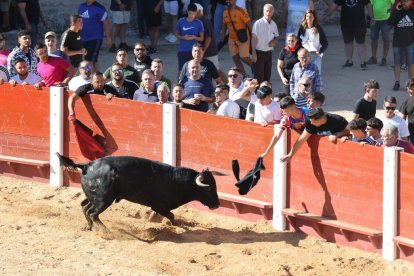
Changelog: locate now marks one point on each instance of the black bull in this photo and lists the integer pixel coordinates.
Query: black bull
(159, 186)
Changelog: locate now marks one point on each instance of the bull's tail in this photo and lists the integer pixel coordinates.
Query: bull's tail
(68, 163)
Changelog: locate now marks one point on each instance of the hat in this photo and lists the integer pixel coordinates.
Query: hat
(50, 34)
(199, 8)
(316, 113)
(263, 92)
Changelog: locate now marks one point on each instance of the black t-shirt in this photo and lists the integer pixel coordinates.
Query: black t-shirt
(289, 60)
(334, 124)
(89, 89)
(72, 40)
(407, 109)
(32, 10)
(127, 89)
(209, 32)
(403, 22)
(353, 12)
(207, 70)
(365, 109)
(140, 66)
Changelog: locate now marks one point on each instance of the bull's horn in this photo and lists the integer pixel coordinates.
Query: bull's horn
(199, 183)
(218, 173)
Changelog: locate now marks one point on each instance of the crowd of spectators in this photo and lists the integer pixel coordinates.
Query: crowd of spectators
(201, 83)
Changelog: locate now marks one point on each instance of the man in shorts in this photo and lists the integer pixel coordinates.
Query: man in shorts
(121, 14)
(236, 18)
(353, 27)
(171, 14)
(71, 43)
(95, 21)
(152, 14)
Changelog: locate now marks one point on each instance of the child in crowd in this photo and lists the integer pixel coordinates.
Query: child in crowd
(358, 127)
(374, 126)
(407, 108)
(315, 100)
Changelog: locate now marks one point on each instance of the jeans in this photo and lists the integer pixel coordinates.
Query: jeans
(317, 60)
(218, 21)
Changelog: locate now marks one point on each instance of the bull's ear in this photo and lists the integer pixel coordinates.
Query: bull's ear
(218, 173)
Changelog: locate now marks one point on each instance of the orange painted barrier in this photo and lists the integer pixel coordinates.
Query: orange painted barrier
(334, 191)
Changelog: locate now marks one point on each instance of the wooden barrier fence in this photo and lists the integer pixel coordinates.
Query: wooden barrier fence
(334, 191)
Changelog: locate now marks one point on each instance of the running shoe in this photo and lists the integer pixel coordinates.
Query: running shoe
(348, 63)
(396, 86)
(372, 60)
(364, 66)
(383, 62)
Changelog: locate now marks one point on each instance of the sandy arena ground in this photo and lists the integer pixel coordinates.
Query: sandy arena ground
(42, 235)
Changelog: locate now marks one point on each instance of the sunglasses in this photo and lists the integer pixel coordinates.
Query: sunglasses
(139, 49)
(233, 76)
(306, 84)
(118, 71)
(390, 107)
(87, 68)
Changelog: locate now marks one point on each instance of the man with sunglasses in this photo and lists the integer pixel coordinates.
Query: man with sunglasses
(226, 107)
(304, 90)
(85, 70)
(142, 60)
(390, 118)
(124, 87)
(129, 72)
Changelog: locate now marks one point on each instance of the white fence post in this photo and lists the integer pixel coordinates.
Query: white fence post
(389, 205)
(56, 134)
(169, 134)
(279, 181)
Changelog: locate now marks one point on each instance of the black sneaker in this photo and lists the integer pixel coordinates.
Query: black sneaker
(383, 62)
(112, 49)
(372, 60)
(364, 66)
(348, 63)
(396, 86)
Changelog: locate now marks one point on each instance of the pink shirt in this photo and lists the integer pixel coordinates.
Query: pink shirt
(54, 70)
(3, 57)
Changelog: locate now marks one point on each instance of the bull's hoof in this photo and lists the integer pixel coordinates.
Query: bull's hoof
(155, 217)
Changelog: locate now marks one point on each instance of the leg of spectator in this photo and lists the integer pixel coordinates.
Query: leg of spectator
(239, 64)
(349, 50)
(259, 67)
(122, 33)
(361, 52)
(115, 33)
(218, 21)
(154, 35)
(268, 66)
(140, 18)
(397, 72)
(374, 47)
(34, 34)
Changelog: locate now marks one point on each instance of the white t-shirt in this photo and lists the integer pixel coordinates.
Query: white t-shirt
(265, 32)
(310, 40)
(399, 122)
(229, 109)
(235, 93)
(76, 82)
(31, 79)
(267, 113)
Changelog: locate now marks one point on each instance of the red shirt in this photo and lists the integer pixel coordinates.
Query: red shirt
(54, 70)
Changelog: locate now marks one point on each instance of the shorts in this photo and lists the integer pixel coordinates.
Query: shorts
(236, 47)
(121, 17)
(349, 33)
(214, 60)
(92, 47)
(171, 7)
(183, 57)
(382, 26)
(409, 54)
(5, 5)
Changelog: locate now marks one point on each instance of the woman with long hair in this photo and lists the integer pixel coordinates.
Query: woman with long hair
(288, 57)
(312, 37)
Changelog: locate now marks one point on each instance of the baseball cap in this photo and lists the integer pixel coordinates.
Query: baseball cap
(199, 8)
(316, 113)
(263, 92)
(50, 34)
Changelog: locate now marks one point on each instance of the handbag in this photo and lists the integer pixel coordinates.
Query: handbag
(241, 34)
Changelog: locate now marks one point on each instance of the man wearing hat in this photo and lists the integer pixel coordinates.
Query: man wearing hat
(322, 124)
(51, 44)
(266, 110)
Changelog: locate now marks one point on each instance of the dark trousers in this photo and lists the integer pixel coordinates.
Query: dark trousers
(140, 17)
(263, 66)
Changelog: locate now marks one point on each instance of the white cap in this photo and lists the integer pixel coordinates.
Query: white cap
(199, 8)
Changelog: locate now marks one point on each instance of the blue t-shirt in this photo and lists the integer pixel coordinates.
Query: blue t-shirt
(185, 27)
(200, 86)
(92, 16)
(297, 124)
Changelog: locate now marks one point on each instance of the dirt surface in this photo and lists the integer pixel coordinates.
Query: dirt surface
(41, 234)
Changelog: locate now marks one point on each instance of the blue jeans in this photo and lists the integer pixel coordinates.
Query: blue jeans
(218, 21)
(317, 60)
(382, 26)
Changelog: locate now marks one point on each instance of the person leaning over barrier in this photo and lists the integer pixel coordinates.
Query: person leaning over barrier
(322, 124)
(293, 117)
(97, 86)
(358, 129)
(23, 76)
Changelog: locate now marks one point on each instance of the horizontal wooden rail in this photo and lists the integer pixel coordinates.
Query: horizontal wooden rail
(404, 244)
(12, 161)
(236, 201)
(345, 228)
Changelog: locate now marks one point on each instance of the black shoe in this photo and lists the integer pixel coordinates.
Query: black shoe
(348, 63)
(364, 66)
(372, 60)
(383, 62)
(396, 86)
(112, 49)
